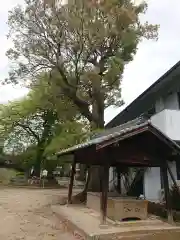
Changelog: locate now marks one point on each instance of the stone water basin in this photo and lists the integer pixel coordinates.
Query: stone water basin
(119, 208)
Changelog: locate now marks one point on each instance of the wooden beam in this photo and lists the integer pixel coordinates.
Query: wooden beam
(125, 162)
(178, 167)
(73, 171)
(167, 192)
(101, 194)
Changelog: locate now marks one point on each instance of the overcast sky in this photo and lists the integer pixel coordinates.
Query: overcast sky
(151, 61)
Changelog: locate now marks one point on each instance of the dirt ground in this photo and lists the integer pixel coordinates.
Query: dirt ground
(26, 214)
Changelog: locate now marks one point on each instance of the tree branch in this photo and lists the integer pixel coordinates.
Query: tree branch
(28, 130)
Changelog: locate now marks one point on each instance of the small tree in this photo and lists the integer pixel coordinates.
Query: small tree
(33, 122)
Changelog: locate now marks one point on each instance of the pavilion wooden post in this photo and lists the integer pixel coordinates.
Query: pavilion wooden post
(173, 178)
(104, 193)
(118, 180)
(73, 171)
(164, 170)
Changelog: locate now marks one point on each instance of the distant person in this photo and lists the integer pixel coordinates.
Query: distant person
(44, 174)
(32, 171)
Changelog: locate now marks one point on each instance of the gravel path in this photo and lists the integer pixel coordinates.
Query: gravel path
(26, 214)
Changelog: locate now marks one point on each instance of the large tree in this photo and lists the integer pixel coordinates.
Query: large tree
(83, 45)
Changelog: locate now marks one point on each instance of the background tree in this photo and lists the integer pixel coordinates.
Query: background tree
(33, 124)
(83, 45)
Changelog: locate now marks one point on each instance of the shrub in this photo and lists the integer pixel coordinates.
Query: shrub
(19, 174)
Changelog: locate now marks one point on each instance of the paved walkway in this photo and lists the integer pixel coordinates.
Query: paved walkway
(26, 214)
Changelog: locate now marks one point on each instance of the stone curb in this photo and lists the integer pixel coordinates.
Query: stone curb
(68, 226)
(32, 187)
(80, 234)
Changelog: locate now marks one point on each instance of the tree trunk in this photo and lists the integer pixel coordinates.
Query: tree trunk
(49, 119)
(93, 181)
(82, 173)
(39, 158)
(98, 114)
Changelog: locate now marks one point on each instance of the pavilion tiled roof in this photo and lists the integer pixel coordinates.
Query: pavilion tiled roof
(108, 134)
(116, 132)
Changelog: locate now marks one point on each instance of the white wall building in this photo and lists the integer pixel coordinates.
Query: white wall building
(161, 103)
(167, 119)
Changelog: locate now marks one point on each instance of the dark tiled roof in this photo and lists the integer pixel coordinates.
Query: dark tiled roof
(108, 134)
(167, 82)
(126, 126)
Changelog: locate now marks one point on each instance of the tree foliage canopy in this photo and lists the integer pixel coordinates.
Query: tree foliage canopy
(81, 48)
(37, 125)
(82, 45)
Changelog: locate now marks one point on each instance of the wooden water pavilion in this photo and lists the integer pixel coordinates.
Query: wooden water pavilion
(135, 144)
